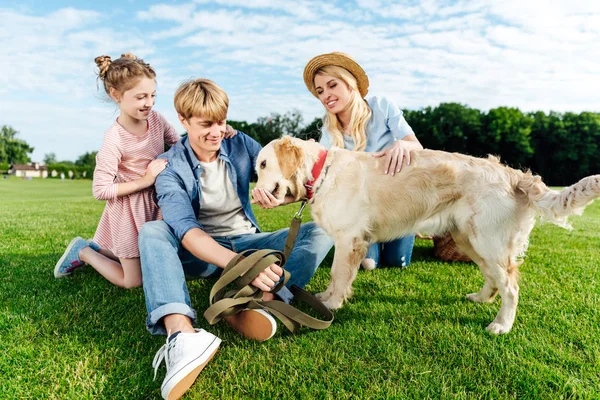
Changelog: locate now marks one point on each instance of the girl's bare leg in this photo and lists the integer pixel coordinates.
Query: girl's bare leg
(124, 272)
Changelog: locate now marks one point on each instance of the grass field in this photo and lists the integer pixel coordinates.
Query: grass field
(406, 333)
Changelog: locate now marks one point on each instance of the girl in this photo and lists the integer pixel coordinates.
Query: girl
(125, 172)
(374, 124)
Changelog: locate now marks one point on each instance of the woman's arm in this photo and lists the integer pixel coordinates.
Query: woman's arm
(398, 153)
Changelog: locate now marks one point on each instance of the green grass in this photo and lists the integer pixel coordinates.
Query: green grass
(406, 333)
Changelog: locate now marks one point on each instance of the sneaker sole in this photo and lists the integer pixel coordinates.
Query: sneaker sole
(253, 324)
(189, 373)
(58, 274)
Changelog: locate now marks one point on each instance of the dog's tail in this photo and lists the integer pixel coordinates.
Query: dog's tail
(556, 206)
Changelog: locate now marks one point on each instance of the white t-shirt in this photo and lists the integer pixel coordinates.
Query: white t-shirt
(221, 212)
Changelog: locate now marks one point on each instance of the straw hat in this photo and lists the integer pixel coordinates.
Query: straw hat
(340, 60)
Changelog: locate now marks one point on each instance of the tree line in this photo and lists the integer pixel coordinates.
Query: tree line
(561, 147)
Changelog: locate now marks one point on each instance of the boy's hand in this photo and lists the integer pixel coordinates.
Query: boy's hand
(264, 199)
(267, 279)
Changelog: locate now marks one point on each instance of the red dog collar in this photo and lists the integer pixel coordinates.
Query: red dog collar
(316, 171)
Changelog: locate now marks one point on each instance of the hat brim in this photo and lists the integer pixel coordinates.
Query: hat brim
(339, 60)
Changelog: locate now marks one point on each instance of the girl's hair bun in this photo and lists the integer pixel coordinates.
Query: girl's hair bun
(129, 56)
(103, 63)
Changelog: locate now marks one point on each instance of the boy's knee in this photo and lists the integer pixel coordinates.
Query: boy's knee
(153, 230)
(314, 231)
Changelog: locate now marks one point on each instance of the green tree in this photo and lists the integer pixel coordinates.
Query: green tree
(50, 158)
(13, 150)
(449, 126)
(312, 130)
(87, 160)
(277, 125)
(250, 129)
(508, 129)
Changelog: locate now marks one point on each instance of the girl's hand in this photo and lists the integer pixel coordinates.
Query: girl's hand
(229, 132)
(264, 198)
(154, 168)
(395, 156)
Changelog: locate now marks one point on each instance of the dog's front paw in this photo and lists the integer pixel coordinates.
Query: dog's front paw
(333, 304)
(496, 328)
(323, 296)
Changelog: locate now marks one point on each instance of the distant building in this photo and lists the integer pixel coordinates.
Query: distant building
(31, 170)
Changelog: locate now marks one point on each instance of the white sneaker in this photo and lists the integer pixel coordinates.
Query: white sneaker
(185, 355)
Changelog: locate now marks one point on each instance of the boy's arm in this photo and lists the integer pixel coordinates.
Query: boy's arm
(204, 247)
(178, 213)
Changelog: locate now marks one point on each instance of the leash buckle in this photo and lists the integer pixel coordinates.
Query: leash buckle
(298, 214)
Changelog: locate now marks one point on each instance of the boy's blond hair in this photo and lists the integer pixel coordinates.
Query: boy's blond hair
(201, 98)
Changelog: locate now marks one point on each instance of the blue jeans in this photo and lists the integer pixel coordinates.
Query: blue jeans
(395, 253)
(166, 265)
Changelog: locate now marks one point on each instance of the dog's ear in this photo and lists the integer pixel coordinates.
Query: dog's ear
(289, 156)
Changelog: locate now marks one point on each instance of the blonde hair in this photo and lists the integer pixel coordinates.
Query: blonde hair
(201, 98)
(360, 113)
(123, 73)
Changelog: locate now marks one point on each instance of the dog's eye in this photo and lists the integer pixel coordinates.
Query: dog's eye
(263, 164)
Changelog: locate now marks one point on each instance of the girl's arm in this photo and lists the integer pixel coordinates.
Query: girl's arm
(108, 158)
(170, 134)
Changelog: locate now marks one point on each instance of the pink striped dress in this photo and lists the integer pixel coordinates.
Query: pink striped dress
(122, 158)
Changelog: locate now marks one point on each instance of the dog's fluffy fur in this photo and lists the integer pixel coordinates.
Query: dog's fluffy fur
(489, 209)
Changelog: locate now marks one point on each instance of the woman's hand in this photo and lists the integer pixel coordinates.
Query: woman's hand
(154, 168)
(268, 278)
(264, 199)
(395, 156)
(229, 132)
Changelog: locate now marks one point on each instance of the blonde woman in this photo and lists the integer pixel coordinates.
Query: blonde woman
(355, 122)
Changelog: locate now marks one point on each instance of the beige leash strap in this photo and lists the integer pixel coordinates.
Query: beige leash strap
(233, 292)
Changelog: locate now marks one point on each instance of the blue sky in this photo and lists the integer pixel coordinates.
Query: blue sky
(532, 54)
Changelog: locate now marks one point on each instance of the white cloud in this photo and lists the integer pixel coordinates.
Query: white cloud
(535, 55)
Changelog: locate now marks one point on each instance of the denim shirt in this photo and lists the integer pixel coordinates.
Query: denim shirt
(178, 186)
(387, 124)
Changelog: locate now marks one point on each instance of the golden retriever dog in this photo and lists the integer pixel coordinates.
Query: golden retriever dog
(490, 209)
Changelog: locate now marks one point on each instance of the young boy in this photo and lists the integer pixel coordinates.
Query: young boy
(204, 197)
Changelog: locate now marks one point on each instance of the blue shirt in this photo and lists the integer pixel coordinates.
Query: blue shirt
(387, 124)
(178, 186)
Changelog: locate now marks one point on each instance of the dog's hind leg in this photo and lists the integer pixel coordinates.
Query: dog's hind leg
(505, 278)
(500, 276)
(346, 260)
(488, 292)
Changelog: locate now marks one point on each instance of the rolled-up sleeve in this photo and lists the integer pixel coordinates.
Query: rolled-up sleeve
(396, 122)
(175, 204)
(108, 158)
